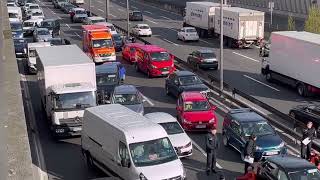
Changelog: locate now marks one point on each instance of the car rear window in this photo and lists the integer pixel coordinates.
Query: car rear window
(191, 30)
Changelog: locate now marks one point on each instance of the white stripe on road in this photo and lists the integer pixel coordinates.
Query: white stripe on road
(120, 10)
(148, 100)
(68, 26)
(134, 7)
(173, 29)
(203, 152)
(165, 17)
(77, 35)
(262, 83)
(52, 11)
(204, 41)
(245, 57)
(101, 2)
(101, 10)
(148, 12)
(122, 3)
(112, 15)
(151, 21)
(171, 42)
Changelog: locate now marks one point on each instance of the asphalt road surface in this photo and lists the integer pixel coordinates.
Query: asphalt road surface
(63, 159)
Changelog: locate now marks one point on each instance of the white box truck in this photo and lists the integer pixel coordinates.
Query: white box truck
(241, 27)
(201, 16)
(294, 59)
(77, 2)
(130, 145)
(32, 55)
(67, 83)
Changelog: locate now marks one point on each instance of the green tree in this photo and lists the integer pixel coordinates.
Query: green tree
(291, 24)
(312, 23)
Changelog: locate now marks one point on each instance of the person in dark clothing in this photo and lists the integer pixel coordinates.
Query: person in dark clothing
(212, 146)
(310, 133)
(249, 150)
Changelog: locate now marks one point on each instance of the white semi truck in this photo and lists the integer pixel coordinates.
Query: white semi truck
(294, 59)
(67, 82)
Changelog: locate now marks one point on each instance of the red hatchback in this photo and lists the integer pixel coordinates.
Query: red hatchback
(195, 112)
(129, 51)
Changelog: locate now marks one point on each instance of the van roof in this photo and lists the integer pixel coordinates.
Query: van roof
(160, 117)
(301, 35)
(242, 10)
(152, 48)
(135, 127)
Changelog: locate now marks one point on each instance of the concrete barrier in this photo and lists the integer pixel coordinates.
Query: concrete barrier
(15, 155)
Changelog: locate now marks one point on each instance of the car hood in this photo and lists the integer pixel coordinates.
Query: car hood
(156, 172)
(196, 116)
(136, 108)
(194, 87)
(27, 28)
(179, 140)
(268, 141)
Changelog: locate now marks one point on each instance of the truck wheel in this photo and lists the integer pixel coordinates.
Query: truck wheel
(301, 88)
(184, 24)
(148, 74)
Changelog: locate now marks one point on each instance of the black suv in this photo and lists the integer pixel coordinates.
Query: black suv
(135, 16)
(53, 25)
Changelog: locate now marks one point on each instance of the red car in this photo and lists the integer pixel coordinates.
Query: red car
(129, 51)
(195, 112)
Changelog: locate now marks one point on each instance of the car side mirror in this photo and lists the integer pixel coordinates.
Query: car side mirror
(125, 163)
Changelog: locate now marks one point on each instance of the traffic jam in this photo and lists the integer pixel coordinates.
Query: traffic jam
(86, 92)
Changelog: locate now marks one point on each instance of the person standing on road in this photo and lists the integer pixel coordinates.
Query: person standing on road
(308, 136)
(249, 150)
(212, 146)
(122, 72)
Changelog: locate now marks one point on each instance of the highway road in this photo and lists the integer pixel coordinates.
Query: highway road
(63, 160)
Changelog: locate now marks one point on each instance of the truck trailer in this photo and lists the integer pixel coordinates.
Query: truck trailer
(294, 60)
(67, 83)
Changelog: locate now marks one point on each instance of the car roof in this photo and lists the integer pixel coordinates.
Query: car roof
(160, 117)
(205, 51)
(136, 11)
(188, 28)
(125, 89)
(142, 25)
(291, 163)
(107, 68)
(184, 73)
(78, 9)
(193, 96)
(104, 23)
(245, 115)
(151, 48)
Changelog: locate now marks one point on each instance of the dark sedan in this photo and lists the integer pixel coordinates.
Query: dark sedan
(204, 58)
(17, 30)
(118, 42)
(66, 8)
(305, 113)
(181, 81)
(287, 168)
(136, 16)
(20, 47)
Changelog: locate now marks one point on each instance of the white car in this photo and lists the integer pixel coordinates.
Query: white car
(178, 137)
(93, 20)
(108, 25)
(34, 7)
(142, 30)
(36, 14)
(12, 4)
(26, 7)
(30, 25)
(188, 34)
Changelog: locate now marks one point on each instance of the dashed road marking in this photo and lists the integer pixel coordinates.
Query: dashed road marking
(148, 12)
(77, 35)
(151, 21)
(148, 100)
(101, 10)
(171, 42)
(112, 15)
(261, 83)
(245, 57)
(68, 26)
(120, 10)
(165, 17)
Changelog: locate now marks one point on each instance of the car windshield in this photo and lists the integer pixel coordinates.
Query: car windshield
(75, 100)
(137, 13)
(152, 153)
(46, 24)
(43, 32)
(311, 174)
(28, 24)
(144, 27)
(97, 21)
(117, 38)
(102, 43)
(191, 30)
(81, 12)
(33, 7)
(189, 80)
(55, 42)
(172, 128)
(208, 55)
(32, 53)
(258, 128)
(160, 56)
(16, 26)
(13, 15)
(127, 99)
(107, 79)
(37, 14)
(196, 106)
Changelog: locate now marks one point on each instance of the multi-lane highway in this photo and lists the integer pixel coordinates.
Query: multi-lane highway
(63, 160)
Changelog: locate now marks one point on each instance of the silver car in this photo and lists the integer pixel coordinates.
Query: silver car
(41, 34)
(129, 96)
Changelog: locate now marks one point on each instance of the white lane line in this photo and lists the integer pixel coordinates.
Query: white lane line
(51, 11)
(77, 35)
(151, 21)
(101, 10)
(68, 26)
(165, 17)
(120, 10)
(171, 42)
(112, 15)
(122, 3)
(245, 57)
(148, 100)
(262, 83)
(100, 2)
(134, 7)
(173, 29)
(203, 152)
(204, 41)
(148, 12)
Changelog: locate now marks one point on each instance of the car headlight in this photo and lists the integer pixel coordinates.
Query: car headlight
(24, 50)
(142, 177)
(212, 120)
(113, 54)
(258, 148)
(186, 121)
(281, 144)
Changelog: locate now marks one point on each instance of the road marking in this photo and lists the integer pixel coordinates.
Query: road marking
(68, 26)
(165, 17)
(173, 29)
(151, 21)
(261, 83)
(145, 4)
(77, 35)
(246, 57)
(171, 42)
(120, 10)
(100, 2)
(148, 12)
(52, 11)
(122, 3)
(203, 152)
(134, 7)
(112, 15)
(101, 10)
(148, 100)
(204, 41)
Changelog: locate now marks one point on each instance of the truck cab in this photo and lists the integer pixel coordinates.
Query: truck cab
(32, 55)
(98, 44)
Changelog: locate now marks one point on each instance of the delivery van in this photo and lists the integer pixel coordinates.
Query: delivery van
(117, 139)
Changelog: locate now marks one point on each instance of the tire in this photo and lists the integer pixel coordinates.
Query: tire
(148, 74)
(136, 67)
(225, 140)
(301, 89)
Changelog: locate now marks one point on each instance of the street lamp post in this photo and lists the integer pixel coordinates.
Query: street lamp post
(128, 24)
(107, 10)
(89, 8)
(221, 46)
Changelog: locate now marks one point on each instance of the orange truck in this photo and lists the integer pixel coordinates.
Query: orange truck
(97, 43)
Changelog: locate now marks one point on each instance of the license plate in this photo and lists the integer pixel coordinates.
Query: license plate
(76, 129)
(201, 126)
(270, 153)
(165, 72)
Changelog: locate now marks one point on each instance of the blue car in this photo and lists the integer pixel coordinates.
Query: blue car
(118, 42)
(239, 124)
(20, 47)
(17, 30)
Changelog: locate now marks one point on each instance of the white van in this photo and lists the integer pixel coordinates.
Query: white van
(108, 25)
(15, 14)
(117, 139)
